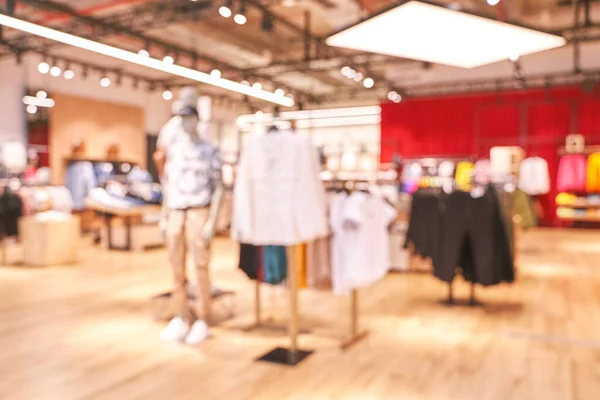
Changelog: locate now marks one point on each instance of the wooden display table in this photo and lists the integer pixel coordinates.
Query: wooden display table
(50, 241)
(134, 234)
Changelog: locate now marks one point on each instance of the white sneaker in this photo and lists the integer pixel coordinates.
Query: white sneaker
(198, 334)
(176, 331)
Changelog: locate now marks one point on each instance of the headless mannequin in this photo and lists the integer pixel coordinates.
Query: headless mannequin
(192, 203)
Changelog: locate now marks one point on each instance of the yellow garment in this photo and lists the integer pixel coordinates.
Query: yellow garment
(464, 174)
(301, 265)
(593, 173)
(564, 199)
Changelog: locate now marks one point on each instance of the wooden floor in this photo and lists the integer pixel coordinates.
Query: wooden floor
(86, 332)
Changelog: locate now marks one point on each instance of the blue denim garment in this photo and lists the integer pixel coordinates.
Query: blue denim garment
(80, 179)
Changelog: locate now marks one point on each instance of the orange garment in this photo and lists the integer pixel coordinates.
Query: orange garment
(593, 173)
(301, 265)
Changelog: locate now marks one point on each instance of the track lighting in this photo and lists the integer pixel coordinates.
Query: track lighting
(43, 67)
(41, 95)
(245, 83)
(144, 53)
(351, 74)
(358, 77)
(345, 71)
(216, 73)
(368, 83)
(257, 86)
(514, 57)
(493, 2)
(55, 71)
(279, 92)
(31, 109)
(168, 60)
(134, 58)
(105, 82)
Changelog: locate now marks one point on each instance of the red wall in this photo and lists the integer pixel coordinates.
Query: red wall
(469, 125)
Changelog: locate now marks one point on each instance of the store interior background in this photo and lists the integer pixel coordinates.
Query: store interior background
(534, 339)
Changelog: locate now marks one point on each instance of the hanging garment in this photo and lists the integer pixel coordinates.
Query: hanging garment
(275, 264)
(523, 207)
(278, 196)
(250, 260)
(572, 173)
(301, 265)
(593, 173)
(464, 175)
(534, 178)
(360, 246)
(80, 180)
(11, 209)
(473, 236)
(318, 264)
(424, 224)
(482, 172)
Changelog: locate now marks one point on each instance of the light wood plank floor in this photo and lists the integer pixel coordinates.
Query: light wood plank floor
(86, 332)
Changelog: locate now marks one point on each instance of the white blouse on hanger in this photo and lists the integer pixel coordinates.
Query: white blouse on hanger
(534, 178)
(278, 196)
(360, 248)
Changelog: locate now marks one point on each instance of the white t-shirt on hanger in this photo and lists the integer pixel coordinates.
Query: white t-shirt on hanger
(360, 240)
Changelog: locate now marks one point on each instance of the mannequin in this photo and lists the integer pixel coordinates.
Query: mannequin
(190, 170)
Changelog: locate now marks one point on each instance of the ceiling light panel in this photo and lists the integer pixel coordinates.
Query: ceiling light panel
(428, 32)
(135, 58)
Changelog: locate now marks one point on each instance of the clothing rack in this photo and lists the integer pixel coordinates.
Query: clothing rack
(293, 355)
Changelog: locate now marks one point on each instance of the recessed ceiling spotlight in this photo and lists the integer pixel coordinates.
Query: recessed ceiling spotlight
(43, 67)
(345, 70)
(493, 2)
(31, 109)
(368, 83)
(358, 77)
(351, 74)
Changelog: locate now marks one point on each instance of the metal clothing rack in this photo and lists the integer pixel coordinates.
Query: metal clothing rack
(292, 355)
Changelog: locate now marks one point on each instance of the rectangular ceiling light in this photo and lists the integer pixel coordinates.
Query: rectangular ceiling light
(425, 31)
(148, 62)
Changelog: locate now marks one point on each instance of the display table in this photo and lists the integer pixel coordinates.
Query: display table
(135, 233)
(50, 241)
